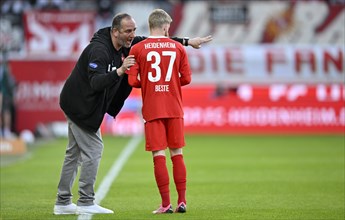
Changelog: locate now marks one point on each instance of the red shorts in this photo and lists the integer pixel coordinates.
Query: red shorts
(164, 132)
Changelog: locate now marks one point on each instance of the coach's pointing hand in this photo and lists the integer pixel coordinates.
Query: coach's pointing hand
(197, 41)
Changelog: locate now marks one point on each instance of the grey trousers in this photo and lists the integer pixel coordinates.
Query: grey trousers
(84, 149)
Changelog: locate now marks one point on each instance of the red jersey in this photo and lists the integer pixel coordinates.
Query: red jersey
(163, 67)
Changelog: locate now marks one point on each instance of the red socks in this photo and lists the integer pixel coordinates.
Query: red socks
(162, 179)
(180, 176)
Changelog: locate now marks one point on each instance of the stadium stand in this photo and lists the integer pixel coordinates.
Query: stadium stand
(230, 22)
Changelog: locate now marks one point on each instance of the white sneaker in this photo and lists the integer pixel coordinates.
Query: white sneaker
(93, 209)
(65, 209)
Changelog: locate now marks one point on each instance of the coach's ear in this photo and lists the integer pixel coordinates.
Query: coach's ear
(114, 32)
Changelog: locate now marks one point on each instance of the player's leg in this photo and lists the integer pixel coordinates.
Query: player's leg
(175, 143)
(161, 176)
(180, 178)
(156, 143)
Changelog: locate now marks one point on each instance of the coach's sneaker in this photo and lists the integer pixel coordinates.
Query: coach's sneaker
(181, 208)
(93, 209)
(65, 209)
(163, 210)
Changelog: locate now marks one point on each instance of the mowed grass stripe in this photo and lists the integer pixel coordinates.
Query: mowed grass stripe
(229, 177)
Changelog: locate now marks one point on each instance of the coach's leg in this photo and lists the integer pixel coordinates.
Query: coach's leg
(69, 170)
(91, 149)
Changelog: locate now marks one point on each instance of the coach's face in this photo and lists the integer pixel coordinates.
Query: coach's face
(126, 33)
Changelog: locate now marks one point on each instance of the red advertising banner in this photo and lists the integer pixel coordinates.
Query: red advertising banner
(260, 109)
(37, 94)
(276, 108)
(62, 33)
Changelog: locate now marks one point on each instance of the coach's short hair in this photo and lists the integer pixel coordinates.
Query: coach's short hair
(116, 24)
(158, 18)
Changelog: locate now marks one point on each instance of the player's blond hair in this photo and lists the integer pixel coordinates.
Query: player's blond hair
(158, 18)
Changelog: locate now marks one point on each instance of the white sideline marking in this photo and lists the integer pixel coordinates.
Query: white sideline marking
(115, 169)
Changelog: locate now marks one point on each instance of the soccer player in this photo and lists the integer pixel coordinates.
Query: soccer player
(160, 70)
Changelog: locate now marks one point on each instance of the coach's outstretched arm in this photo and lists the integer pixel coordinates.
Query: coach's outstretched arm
(198, 41)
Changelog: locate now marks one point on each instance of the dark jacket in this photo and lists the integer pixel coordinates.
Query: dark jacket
(92, 89)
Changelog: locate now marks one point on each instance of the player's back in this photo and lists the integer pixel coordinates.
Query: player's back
(161, 63)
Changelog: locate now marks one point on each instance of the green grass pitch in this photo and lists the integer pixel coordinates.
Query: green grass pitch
(229, 177)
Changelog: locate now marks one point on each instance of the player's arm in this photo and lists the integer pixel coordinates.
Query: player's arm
(185, 79)
(133, 73)
(133, 78)
(185, 71)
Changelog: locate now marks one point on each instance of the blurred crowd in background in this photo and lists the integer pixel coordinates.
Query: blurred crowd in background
(12, 12)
